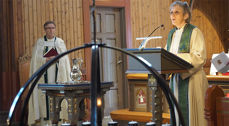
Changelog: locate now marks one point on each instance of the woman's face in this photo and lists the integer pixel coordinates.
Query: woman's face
(50, 31)
(177, 17)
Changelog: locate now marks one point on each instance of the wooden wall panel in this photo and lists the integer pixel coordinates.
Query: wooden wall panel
(211, 18)
(30, 15)
(212, 39)
(146, 15)
(67, 15)
(8, 72)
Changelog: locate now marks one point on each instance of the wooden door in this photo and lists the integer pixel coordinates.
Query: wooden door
(108, 31)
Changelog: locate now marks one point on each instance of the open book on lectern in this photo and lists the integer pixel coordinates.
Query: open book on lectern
(160, 59)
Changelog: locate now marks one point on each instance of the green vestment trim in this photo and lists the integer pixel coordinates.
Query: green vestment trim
(184, 46)
(182, 95)
(183, 98)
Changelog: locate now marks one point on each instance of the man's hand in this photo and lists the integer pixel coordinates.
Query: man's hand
(49, 58)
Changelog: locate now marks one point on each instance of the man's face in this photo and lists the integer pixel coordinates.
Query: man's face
(50, 31)
(177, 16)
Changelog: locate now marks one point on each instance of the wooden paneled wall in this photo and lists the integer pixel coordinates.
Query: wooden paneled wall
(21, 24)
(212, 17)
(146, 15)
(30, 15)
(8, 73)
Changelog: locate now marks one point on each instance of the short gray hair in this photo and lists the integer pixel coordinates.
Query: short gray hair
(185, 7)
(49, 22)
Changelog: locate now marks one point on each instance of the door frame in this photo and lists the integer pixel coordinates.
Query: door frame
(125, 4)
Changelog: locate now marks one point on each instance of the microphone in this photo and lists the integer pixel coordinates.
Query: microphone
(145, 41)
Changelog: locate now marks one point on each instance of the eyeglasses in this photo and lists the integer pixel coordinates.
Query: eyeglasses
(175, 13)
(50, 27)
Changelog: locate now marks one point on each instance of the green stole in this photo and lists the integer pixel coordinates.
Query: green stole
(184, 47)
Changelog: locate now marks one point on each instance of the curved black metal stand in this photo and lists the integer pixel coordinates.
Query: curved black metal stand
(95, 87)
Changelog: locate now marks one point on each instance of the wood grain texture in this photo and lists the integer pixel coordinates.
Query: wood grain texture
(33, 15)
(145, 17)
(210, 16)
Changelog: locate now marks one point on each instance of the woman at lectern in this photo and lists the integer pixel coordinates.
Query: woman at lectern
(187, 42)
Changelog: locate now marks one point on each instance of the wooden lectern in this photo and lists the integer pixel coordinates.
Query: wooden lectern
(141, 98)
(160, 59)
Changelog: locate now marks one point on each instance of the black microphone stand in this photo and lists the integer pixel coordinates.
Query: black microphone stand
(155, 30)
(145, 41)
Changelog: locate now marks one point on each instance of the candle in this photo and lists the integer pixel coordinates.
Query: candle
(132, 123)
(113, 123)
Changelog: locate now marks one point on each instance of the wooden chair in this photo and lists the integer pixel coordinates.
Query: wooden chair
(216, 107)
(24, 68)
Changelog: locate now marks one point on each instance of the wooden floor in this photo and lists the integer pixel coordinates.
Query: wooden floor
(126, 115)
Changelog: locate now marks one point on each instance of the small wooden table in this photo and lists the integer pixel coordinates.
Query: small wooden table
(74, 94)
